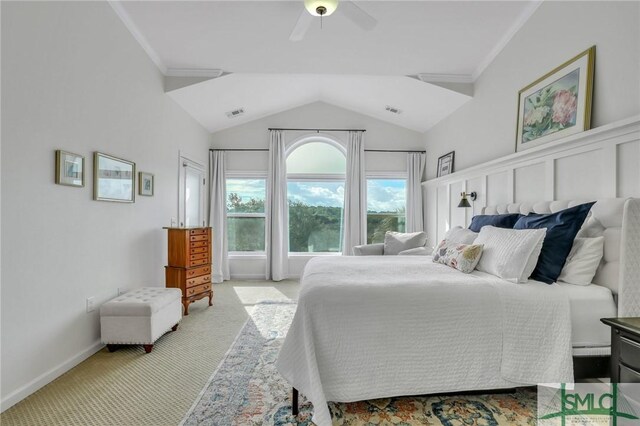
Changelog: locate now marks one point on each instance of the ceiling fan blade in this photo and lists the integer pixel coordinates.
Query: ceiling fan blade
(302, 26)
(358, 16)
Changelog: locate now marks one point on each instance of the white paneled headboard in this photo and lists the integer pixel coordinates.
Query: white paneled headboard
(618, 220)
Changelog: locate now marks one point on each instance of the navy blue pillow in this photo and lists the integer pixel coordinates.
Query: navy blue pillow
(562, 228)
(497, 220)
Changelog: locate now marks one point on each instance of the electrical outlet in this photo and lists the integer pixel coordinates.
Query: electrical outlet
(174, 222)
(121, 290)
(91, 304)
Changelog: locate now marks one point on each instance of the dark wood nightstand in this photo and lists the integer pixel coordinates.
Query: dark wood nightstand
(625, 349)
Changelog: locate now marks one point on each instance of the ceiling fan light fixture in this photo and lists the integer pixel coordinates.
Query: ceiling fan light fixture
(321, 7)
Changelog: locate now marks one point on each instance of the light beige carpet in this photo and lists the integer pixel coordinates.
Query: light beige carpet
(131, 388)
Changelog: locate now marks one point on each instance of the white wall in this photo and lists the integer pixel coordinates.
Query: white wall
(74, 78)
(379, 135)
(484, 128)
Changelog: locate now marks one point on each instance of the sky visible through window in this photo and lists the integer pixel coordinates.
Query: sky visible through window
(386, 195)
(246, 189)
(326, 194)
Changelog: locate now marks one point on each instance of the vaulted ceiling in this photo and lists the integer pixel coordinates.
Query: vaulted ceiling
(448, 42)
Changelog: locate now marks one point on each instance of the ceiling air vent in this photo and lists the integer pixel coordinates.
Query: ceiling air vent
(393, 110)
(235, 113)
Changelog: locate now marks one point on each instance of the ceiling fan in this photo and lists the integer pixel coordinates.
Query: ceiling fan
(322, 8)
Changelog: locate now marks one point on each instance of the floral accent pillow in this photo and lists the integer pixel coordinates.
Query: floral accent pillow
(463, 257)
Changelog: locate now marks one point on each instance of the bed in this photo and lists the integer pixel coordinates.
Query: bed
(374, 327)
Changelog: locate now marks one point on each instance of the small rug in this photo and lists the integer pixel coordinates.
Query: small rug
(246, 389)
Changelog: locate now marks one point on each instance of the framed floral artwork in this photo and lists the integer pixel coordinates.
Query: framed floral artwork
(558, 104)
(69, 169)
(113, 179)
(145, 184)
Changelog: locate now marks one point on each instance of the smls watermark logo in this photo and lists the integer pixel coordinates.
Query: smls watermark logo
(589, 404)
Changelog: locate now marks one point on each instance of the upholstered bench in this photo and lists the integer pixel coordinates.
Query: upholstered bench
(140, 316)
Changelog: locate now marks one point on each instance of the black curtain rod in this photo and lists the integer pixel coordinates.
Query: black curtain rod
(240, 149)
(390, 150)
(266, 150)
(319, 130)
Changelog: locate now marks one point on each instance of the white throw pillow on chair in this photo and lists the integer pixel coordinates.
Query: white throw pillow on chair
(395, 242)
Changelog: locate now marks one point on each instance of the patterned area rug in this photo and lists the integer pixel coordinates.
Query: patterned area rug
(246, 389)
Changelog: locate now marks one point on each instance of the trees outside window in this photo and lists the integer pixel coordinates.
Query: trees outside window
(315, 191)
(386, 207)
(246, 214)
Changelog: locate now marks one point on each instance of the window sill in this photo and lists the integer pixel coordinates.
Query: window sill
(314, 254)
(247, 256)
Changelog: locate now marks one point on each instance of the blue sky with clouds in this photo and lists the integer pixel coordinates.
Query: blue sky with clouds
(383, 195)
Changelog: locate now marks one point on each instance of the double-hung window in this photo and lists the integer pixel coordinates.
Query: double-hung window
(246, 214)
(315, 191)
(386, 206)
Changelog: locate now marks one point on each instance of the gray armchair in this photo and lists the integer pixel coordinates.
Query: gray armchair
(403, 243)
(378, 250)
(369, 250)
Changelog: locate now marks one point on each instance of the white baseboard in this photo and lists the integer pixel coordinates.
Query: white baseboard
(251, 277)
(258, 277)
(48, 377)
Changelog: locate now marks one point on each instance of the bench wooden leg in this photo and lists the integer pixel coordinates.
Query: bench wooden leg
(294, 402)
(147, 348)
(112, 348)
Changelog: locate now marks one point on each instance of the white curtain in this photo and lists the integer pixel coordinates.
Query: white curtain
(218, 216)
(277, 209)
(355, 196)
(415, 171)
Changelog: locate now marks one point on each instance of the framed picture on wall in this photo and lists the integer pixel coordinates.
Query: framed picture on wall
(445, 164)
(113, 179)
(558, 104)
(69, 169)
(145, 184)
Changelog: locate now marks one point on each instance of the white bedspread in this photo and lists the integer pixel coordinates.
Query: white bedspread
(374, 327)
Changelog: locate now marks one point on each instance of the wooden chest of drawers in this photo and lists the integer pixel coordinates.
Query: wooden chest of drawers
(189, 267)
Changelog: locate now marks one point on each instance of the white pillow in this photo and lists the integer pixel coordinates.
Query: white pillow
(510, 254)
(458, 235)
(583, 261)
(395, 242)
(418, 251)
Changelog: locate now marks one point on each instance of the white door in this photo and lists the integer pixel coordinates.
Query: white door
(192, 183)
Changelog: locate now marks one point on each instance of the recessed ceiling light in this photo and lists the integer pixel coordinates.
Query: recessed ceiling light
(235, 113)
(393, 110)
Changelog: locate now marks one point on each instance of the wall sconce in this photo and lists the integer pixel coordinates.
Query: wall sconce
(464, 202)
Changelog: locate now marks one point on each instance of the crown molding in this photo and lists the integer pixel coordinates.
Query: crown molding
(445, 78)
(193, 72)
(133, 29)
(511, 32)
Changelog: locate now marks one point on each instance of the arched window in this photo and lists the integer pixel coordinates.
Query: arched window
(315, 188)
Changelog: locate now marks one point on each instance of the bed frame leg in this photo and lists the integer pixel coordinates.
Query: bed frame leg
(294, 402)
